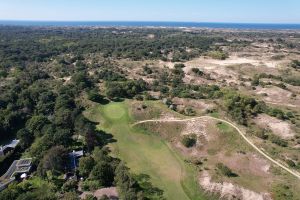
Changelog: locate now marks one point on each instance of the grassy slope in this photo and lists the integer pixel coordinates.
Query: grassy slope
(147, 153)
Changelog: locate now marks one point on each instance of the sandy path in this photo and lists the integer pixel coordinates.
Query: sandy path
(292, 172)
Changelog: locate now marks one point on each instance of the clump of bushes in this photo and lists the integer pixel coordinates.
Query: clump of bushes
(255, 81)
(295, 64)
(93, 95)
(277, 140)
(226, 171)
(293, 80)
(147, 69)
(219, 55)
(3, 73)
(179, 66)
(275, 112)
(241, 107)
(260, 133)
(70, 186)
(189, 111)
(99, 169)
(197, 71)
(197, 91)
(189, 140)
(126, 89)
(287, 78)
(290, 163)
(109, 75)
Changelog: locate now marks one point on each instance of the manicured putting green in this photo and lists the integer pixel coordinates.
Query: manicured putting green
(114, 111)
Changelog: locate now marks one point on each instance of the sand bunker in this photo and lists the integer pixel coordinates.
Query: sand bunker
(111, 193)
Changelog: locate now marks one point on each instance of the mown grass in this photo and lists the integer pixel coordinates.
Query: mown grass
(147, 153)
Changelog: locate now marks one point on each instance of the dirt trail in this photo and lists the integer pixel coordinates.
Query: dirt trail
(296, 174)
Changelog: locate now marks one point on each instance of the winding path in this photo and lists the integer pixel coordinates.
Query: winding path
(294, 173)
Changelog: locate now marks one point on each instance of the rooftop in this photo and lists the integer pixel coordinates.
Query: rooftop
(24, 162)
(76, 154)
(12, 145)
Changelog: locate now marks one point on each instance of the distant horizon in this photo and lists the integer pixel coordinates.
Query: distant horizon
(158, 24)
(146, 21)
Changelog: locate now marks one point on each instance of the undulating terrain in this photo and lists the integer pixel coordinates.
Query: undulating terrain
(159, 113)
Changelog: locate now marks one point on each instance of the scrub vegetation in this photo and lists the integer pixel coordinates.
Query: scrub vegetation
(67, 89)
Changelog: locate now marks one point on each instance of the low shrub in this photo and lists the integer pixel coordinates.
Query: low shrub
(226, 171)
(189, 140)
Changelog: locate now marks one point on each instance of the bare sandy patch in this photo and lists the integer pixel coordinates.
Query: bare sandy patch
(246, 163)
(295, 89)
(230, 191)
(167, 116)
(224, 70)
(217, 69)
(274, 94)
(169, 65)
(67, 78)
(278, 127)
(297, 146)
(150, 36)
(198, 127)
(154, 94)
(200, 105)
(236, 60)
(218, 73)
(278, 96)
(191, 79)
(110, 192)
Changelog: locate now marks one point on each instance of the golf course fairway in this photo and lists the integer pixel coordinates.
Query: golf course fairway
(147, 153)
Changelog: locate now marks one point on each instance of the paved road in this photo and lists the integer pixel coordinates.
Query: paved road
(292, 172)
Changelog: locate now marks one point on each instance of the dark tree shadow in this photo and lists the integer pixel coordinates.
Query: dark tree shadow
(150, 191)
(233, 175)
(105, 138)
(103, 101)
(118, 99)
(95, 137)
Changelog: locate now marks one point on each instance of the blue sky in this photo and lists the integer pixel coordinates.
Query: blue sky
(255, 11)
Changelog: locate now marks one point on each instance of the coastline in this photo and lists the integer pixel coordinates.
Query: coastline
(137, 24)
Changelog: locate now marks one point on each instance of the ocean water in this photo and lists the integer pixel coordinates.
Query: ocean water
(153, 24)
